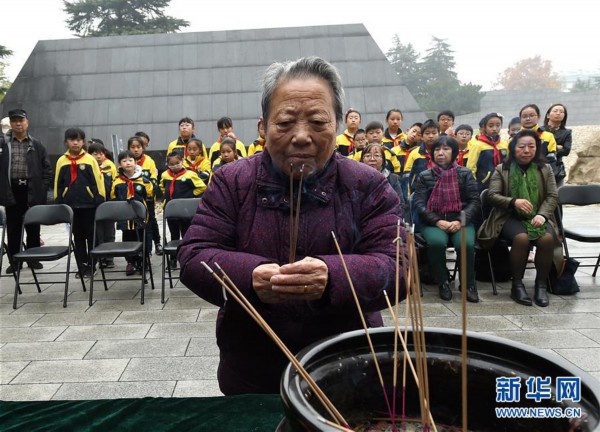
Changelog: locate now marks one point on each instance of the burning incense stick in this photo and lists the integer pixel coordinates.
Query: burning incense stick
(297, 220)
(463, 283)
(237, 295)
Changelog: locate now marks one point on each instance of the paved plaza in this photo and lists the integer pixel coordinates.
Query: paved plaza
(118, 348)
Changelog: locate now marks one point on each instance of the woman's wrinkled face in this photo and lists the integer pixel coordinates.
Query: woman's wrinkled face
(374, 158)
(525, 150)
(529, 118)
(301, 126)
(442, 155)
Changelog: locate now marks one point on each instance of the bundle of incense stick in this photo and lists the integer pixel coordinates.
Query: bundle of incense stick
(295, 221)
(237, 295)
(463, 283)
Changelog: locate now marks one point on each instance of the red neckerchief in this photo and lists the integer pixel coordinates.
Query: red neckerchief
(130, 188)
(396, 141)
(194, 165)
(461, 156)
(497, 154)
(141, 160)
(74, 170)
(175, 177)
(427, 155)
(351, 140)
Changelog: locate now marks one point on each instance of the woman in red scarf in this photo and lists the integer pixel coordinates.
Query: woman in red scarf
(441, 193)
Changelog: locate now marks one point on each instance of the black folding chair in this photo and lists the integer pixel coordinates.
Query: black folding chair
(179, 208)
(133, 212)
(4, 246)
(579, 195)
(51, 214)
(485, 212)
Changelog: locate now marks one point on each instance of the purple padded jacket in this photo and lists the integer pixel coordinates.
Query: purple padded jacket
(243, 222)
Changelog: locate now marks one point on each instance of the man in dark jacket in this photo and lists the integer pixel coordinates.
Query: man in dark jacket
(243, 223)
(24, 180)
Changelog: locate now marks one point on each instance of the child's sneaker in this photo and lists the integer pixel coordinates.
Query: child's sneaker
(130, 269)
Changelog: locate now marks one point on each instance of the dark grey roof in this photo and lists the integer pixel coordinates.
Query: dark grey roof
(122, 84)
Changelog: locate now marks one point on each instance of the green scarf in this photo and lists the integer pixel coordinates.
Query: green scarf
(524, 185)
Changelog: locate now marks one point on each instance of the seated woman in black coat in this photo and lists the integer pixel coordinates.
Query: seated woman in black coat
(441, 192)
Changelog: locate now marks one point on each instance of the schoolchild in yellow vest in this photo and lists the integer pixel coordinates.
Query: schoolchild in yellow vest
(225, 127)
(186, 133)
(420, 158)
(136, 145)
(359, 144)
(79, 183)
(130, 184)
(179, 182)
(374, 132)
(259, 143)
(105, 230)
(488, 151)
(530, 116)
(410, 142)
(227, 154)
(195, 160)
(393, 135)
(345, 140)
(463, 134)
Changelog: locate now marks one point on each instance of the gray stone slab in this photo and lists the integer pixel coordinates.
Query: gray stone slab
(169, 368)
(561, 321)
(28, 392)
(35, 297)
(208, 314)
(29, 308)
(134, 389)
(593, 334)
(45, 350)
(162, 316)
(62, 371)
(123, 305)
(497, 308)
(15, 320)
(115, 292)
(30, 334)
(474, 323)
(186, 303)
(573, 306)
(99, 332)
(77, 319)
(205, 346)
(10, 369)
(429, 309)
(197, 388)
(199, 329)
(585, 358)
(175, 347)
(549, 338)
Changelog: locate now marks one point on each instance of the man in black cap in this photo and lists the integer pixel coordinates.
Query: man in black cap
(24, 180)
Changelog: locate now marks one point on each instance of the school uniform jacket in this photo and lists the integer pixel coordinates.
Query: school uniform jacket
(187, 184)
(345, 143)
(200, 166)
(149, 171)
(418, 161)
(390, 142)
(180, 145)
(109, 173)
(79, 184)
(257, 146)
(481, 160)
(142, 189)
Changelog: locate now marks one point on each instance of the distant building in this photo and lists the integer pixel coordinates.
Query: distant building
(122, 84)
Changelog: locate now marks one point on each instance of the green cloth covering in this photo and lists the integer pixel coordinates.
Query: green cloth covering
(524, 185)
(233, 413)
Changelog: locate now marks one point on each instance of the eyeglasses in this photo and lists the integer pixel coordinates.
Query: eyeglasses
(373, 156)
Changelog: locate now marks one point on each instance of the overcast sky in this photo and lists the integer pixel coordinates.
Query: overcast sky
(486, 36)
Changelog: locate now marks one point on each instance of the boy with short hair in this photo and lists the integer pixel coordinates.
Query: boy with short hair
(464, 135)
(412, 141)
(446, 122)
(186, 133)
(420, 158)
(105, 230)
(79, 184)
(130, 184)
(225, 127)
(259, 143)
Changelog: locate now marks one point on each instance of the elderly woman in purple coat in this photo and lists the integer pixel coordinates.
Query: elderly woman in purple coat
(243, 224)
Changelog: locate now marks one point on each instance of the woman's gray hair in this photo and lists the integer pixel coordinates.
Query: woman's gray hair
(302, 68)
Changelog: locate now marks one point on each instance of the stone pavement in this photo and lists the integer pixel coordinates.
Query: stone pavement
(118, 348)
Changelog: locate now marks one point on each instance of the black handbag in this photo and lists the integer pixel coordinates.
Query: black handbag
(559, 171)
(564, 283)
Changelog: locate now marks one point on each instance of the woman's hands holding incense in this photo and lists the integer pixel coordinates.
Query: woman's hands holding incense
(302, 280)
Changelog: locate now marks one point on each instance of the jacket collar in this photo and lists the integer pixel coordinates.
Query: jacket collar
(273, 185)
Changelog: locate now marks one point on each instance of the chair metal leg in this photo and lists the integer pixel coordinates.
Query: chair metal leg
(91, 284)
(150, 271)
(596, 268)
(143, 277)
(103, 277)
(162, 277)
(78, 269)
(494, 289)
(17, 287)
(67, 280)
(37, 283)
(170, 274)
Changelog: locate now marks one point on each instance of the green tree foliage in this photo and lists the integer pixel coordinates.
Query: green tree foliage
(530, 74)
(4, 81)
(585, 85)
(120, 17)
(432, 80)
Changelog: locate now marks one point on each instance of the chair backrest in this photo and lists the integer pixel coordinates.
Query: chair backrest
(116, 211)
(48, 214)
(182, 208)
(580, 195)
